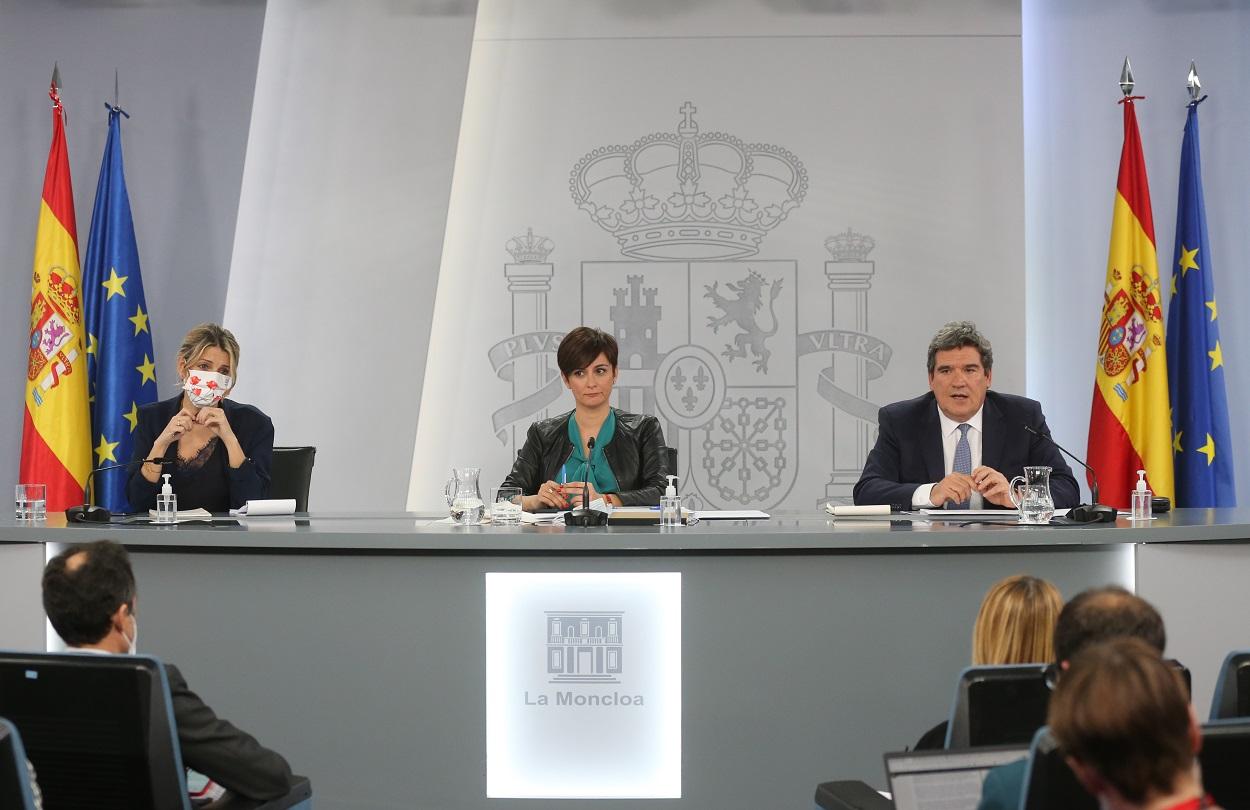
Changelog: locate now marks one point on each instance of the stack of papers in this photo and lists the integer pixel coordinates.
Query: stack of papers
(185, 515)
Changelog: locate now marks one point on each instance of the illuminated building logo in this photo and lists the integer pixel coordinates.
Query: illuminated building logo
(584, 646)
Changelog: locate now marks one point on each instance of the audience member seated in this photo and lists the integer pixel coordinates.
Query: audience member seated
(90, 597)
(1015, 625)
(1090, 617)
(1121, 715)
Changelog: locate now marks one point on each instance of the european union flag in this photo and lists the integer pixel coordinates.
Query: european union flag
(1202, 451)
(121, 372)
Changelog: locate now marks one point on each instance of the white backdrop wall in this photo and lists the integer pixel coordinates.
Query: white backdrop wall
(186, 72)
(340, 226)
(1073, 131)
(896, 120)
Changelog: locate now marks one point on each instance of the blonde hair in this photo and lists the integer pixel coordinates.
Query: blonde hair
(1016, 622)
(209, 336)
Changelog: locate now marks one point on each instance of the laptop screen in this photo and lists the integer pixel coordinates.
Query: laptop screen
(944, 780)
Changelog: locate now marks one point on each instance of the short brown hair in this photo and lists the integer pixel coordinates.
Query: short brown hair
(581, 346)
(209, 336)
(80, 596)
(956, 335)
(1124, 712)
(1100, 614)
(1016, 622)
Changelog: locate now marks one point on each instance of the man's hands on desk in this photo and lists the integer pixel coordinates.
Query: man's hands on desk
(958, 487)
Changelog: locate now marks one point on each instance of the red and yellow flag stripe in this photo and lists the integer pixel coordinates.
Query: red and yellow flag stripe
(56, 432)
(1130, 426)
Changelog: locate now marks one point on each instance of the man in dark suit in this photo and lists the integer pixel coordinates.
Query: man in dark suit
(960, 443)
(89, 595)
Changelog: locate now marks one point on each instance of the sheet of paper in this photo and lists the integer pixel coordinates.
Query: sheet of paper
(730, 514)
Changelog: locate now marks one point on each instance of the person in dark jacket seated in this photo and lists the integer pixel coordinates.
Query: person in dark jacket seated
(959, 445)
(1122, 718)
(90, 597)
(217, 452)
(629, 459)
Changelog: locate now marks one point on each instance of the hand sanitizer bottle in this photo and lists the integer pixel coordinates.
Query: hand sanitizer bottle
(167, 503)
(670, 505)
(1141, 498)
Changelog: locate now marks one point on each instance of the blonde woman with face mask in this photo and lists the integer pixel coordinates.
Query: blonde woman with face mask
(217, 452)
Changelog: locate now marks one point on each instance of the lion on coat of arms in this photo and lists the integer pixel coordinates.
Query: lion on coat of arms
(741, 311)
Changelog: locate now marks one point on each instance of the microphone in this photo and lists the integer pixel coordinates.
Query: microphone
(87, 513)
(1084, 513)
(584, 515)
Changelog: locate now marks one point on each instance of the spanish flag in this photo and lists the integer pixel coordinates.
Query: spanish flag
(56, 434)
(1130, 428)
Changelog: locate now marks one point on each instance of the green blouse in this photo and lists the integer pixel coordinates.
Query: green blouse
(601, 476)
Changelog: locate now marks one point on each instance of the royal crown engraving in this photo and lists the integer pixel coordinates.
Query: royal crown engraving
(529, 249)
(689, 195)
(850, 246)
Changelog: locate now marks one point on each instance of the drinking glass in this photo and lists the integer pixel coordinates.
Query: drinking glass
(31, 502)
(505, 506)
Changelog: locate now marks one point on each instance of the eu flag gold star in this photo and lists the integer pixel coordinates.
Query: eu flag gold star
(1208, 450)
(104, 451)
(1186, 261)
(132, 417)
(147, 370)
(90, 343)
(1214, 313)
(1174, 284)
(1176, 442)
(1217, 356)
(115, 284)
(139, 319)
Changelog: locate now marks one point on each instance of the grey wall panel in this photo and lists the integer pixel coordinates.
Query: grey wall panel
(187, 70)
(341, 219)
(21, 620)
(1201, 593)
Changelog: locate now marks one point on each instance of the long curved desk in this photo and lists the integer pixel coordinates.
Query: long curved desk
(356, 644)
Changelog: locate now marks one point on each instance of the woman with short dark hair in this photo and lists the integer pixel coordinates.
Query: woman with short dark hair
(628, 463)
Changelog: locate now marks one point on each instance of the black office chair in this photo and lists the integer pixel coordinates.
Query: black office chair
(1006, 705)
(1224, 755)
(1003, 705)
(672, 460)
(1232, 689)
(98, 729)
(1049, 783)
(15, 788)
(291, 474)
(850, 794)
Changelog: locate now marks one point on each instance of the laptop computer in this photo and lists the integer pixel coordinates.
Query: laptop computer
(944, 779)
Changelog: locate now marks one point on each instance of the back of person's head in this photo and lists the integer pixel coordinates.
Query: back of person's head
(1100, 614)
(83, 587)
(1016, 622)
(1121, 715)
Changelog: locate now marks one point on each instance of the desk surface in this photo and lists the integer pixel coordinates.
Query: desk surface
(785, 533)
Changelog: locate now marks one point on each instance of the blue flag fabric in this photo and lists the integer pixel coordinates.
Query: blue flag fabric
(1202, 450)
(121, 370)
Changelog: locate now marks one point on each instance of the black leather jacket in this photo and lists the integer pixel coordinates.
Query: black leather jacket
(636, 453)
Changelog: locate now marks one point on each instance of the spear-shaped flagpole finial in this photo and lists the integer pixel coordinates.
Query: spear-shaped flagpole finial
(1126, 78)
(56, 75)
(1194, 85)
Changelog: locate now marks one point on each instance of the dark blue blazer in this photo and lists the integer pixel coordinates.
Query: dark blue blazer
(908, 452)
(215, 491)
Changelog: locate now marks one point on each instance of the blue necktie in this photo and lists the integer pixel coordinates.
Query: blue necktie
(963, 462)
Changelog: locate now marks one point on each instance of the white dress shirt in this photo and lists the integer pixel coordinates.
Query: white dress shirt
(950, 438)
